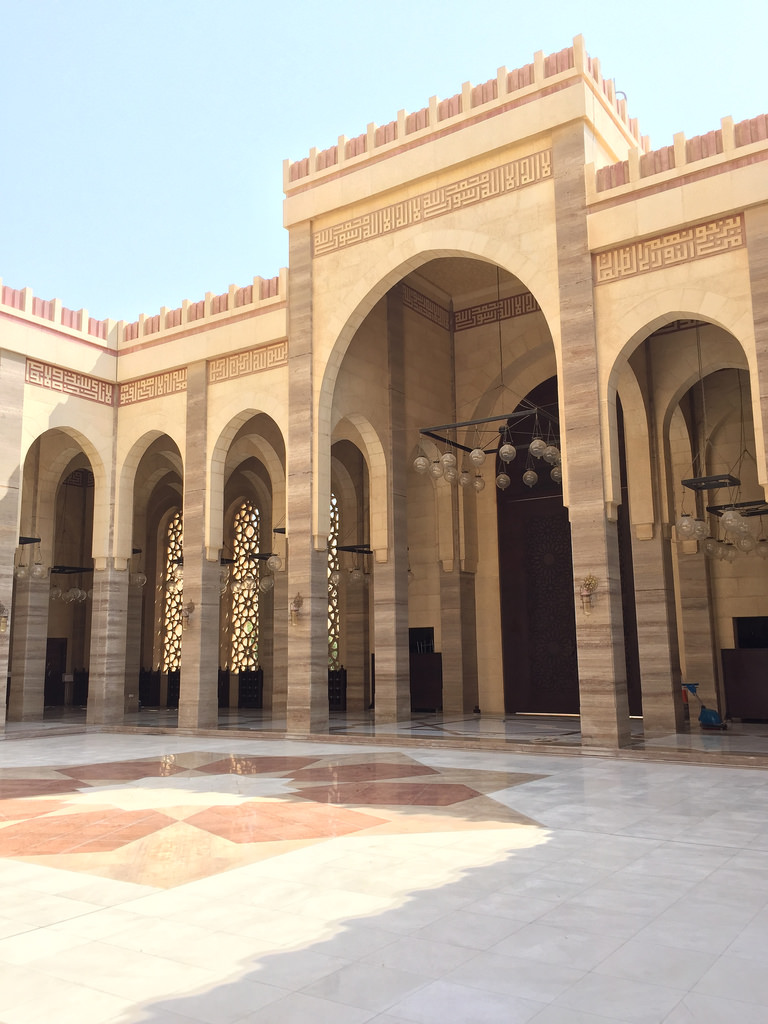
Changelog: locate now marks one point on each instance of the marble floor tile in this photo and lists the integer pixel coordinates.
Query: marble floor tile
(168, 879)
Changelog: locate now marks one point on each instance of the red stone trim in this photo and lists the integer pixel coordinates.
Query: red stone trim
(641, 191)
(242, 364)
(69, 382)
(683, 246)
(469, 191)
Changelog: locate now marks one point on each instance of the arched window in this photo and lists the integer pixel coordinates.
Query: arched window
(174, 598)
(245, 589)
(334, 615)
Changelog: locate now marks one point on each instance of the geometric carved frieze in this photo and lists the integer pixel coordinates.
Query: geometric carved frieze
(682, 246)
(158, 385)
(491, 312)
(471, 316)
(254, 360)
(69, 382)
(425, 307)
(469, 191)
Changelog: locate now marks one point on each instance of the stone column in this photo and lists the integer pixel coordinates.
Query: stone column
(599, 634)
(390, 601)
(109, 622)
(199, 679)
(12, 368)
(307, 701)
(656, 632)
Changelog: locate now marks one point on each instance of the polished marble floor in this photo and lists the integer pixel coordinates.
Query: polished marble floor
(154, 877)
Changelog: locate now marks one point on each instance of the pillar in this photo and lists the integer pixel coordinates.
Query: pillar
(599, 629)
(30, 638)
(390, 599)
(199, 679)
(109, 621)
(656, 632)
(307, 697)
(12, 368)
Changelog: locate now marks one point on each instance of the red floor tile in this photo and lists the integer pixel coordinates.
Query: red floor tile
(383, 793)
(362, 772)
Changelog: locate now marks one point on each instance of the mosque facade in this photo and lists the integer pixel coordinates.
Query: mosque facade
(494, 442)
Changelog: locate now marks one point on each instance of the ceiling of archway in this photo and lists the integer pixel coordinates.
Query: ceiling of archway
(464, 279)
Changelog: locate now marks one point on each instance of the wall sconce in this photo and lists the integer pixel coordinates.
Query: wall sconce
(186, 611)
(295, 606)
(3, 618)
(587, 592)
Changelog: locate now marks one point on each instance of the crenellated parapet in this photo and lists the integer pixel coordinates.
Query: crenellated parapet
(262, 294)
(685, 155)
(506, 88)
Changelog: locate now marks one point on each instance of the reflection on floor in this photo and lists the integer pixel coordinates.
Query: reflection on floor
(162, 878)
(743, 743)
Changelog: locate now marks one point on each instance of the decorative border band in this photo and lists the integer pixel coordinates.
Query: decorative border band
(254, 360)
(69, 382)
(471, 316)
(695, 243)
(159, 385)
(469, 191)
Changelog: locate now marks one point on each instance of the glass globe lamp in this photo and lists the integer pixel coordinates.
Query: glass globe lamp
(530, 478)
(745, 542)
(478, 483)
(451, 474)
(477, 456)
(536, 447)
(507, 453)
(266, 583)
(448, 459)
(551, 454)
(556, 475)
(274, 563)
(436, 470)
(503, 481)
(464, 478)
(700, 529)
(421, 464)
(761, 548)
(685, 526)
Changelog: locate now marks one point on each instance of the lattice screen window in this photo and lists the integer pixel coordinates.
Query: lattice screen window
(245, 589)
(334, 614)
(174, 597)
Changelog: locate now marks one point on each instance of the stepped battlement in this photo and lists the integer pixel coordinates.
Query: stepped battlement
(518, 84)
(682, 153)
(261, 293)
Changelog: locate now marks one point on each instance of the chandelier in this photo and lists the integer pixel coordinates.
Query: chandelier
(732, 519)
(530, 429)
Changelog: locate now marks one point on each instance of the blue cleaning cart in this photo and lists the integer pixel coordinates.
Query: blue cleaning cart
(708, 717)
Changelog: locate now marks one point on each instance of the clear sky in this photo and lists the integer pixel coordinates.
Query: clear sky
(143, 140)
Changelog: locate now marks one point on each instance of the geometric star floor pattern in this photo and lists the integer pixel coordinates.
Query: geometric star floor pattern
(119, 819)
(171, 880)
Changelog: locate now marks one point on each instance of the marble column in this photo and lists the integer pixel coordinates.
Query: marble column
(109, 622)
(199, 679)
(756, 225)
(656, 633)
(390, 599)
(280, 645)
(599, 629)
(30, 638)
(354, 624)
(133, 646)
(696, 628)
(307, 699)
(12, 368)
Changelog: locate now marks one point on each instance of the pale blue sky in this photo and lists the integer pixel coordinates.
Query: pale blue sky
(143, 140)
